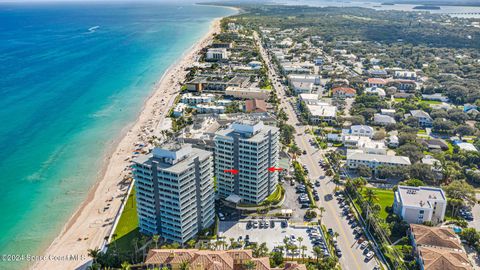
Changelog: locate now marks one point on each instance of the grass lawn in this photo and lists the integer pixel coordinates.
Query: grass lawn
(431, 102)
(399, 99)
(385, 198)
(421, 131)
(127, 227)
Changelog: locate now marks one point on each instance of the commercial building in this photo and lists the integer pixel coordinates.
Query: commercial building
(174, 189)
(420, 204)
(251, 148)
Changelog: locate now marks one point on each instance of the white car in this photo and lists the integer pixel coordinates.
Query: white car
(370, 255)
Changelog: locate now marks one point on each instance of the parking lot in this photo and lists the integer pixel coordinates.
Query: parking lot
(291, 202)
(274, 236)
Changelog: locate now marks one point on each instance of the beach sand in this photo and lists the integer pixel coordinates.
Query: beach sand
(92, 222)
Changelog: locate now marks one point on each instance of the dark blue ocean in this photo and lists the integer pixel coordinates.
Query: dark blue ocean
(71, 77)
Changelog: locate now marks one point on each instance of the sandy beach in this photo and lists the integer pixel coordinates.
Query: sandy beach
(94, 219)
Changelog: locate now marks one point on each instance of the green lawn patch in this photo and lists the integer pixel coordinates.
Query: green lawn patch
(399, 99)
(127, 227)
(431, 102)
(385, 198)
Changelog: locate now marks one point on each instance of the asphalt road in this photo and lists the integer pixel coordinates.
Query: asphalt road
(353, 257)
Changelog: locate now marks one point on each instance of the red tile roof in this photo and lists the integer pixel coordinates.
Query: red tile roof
(377, 81)
(255, 105)
(345, 90)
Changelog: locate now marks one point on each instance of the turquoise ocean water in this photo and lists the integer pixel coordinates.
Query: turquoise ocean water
(71, 77)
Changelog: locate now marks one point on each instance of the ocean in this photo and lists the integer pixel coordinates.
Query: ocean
(72, 77)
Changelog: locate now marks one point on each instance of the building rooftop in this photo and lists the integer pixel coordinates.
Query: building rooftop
(419, 113)
(346, 90)
(443, 259)
(255, 105)
(378, 158)
(173, 157)
(419, 196)
(443, 237)
(322, 110)
(253, 130)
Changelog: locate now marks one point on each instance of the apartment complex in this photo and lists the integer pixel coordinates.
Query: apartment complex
(359, 158)
(175, 194)
(420, 204)
(438, 248)
(251, 148)
(209, 259)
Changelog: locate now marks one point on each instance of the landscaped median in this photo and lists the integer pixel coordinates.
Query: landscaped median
(273, 200)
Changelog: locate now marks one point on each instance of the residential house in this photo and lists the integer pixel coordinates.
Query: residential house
(435, 97)
(405, 74)
(389, 112)
(343, 92)
(375, 91)
(383, 120)
(376, 82)
(424, 119)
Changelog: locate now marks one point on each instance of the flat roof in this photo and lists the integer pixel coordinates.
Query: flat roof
(322, 110)
(379, 158)
(420, 196)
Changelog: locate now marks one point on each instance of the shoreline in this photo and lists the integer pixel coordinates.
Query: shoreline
(92, 222)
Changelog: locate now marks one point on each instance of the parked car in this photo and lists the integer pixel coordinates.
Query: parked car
(339, 253)
(330, 231)
(364, 244)
(370, 255)
(284, 224)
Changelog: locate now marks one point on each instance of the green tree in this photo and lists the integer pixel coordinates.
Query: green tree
(249, 265)
(94, 253)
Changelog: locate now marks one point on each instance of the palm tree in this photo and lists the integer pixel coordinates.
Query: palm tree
(371, 196)
(126, 266)
(318, 252)
(359, 183)
(185, 265)
(94, 253)
(249, 265)
(285, 242)
(300, 240)
(114, 237)
(322, 210)
(135, 246)
(303, 248)
(155, 239)
(191, 243)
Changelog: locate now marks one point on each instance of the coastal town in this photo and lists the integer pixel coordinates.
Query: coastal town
(276, 147)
